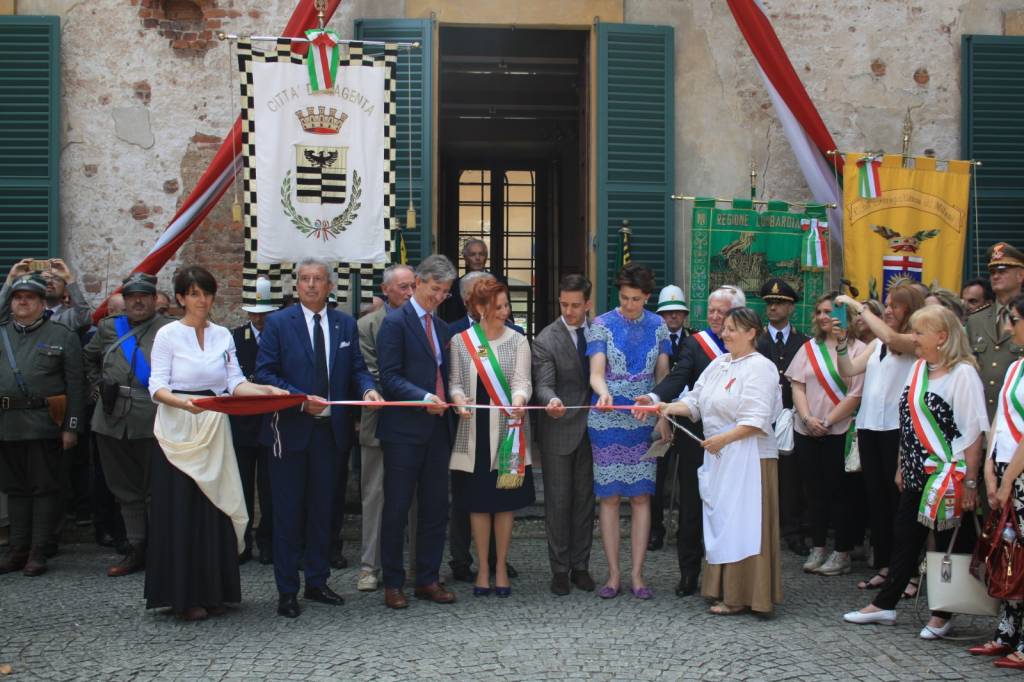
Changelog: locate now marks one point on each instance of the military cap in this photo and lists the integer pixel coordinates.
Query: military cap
(32, 282)
(138, 283)
(1002, 256)
(778, 290)
(671, 298)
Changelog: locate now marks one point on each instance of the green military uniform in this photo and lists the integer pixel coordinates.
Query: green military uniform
(990, 338)
(48, 357)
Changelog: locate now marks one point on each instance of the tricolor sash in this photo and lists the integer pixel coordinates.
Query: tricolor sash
(1013, 411)
(943, 491)
(322, 58)
(133, 355)
(825, 370)
(709, 343)
(512, 450)
(868, 183)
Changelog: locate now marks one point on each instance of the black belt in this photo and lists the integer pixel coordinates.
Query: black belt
(206, 393)
(10, 402)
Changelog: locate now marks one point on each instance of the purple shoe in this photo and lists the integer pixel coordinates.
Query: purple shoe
(642, 592)
(609, 592)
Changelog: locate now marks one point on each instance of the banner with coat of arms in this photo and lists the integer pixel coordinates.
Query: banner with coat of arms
(318, 151)
(743, 247)
(912, 225)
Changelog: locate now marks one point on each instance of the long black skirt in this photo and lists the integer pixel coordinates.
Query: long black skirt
(192, 555)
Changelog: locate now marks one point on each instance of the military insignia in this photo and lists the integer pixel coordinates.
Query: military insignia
(481, 351)
(997, 252)
(775, 288)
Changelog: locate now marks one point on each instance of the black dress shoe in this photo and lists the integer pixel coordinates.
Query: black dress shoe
(463, 573)
(687, 585)
(287, 605)
(245, 557)
(656, 542)
(324, 595)
(338, 559)
(560, 584)
(266, 553)
(582, 580)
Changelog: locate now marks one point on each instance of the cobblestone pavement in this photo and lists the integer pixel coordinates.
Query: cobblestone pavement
(75, 623)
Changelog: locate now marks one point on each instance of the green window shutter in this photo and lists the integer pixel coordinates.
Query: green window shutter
(29, 138)
(635, 149)
(993, 97)
(414, 89)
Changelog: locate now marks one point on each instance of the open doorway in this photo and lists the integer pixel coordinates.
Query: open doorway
(512, 140)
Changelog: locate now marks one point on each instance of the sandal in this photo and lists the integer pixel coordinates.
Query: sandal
(910, 591)
(723, 609)
(872, 583)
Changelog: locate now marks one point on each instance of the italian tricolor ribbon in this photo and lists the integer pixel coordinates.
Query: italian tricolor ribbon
(943, 491)
(1013, 411)
(825, 370)
(322, 58)
(711, 345)
(814, 250)
(512, 450)
(867, 177)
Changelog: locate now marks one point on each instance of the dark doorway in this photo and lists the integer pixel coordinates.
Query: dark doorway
(513, 168)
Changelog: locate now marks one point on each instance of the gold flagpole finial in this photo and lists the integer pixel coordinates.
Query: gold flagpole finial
(321, 7)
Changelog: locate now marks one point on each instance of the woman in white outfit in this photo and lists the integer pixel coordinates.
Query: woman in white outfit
(738, 398)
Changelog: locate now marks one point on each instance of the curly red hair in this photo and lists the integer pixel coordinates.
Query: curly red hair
(483, 294)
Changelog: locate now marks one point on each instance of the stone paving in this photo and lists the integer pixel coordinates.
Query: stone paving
(75, 623)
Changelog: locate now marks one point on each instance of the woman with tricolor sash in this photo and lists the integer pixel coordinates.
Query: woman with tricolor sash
(738, 399)
(825, 402)
(942, 419)
(1004, 481)
(885, 364)
(490, 365)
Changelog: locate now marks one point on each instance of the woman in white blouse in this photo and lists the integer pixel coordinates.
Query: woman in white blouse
(942, 417)
(885, 364)
(738, 398)
(198, 512)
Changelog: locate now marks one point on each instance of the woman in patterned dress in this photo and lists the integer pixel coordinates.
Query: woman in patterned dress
(629, 349)
(942, 420)
(1004, 481)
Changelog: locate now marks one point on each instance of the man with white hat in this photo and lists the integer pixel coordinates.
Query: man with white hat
(672, 308)
(245, 431)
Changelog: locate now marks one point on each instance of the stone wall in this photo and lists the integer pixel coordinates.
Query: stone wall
(149, 93)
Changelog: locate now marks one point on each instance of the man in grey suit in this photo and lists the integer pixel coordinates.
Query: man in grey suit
(561, 377)
(398, 283)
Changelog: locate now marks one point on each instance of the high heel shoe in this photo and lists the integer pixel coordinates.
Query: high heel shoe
(481, 591)
(502, 592)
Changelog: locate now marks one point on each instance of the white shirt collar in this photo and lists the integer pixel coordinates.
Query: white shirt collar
(572, 329)
(255, 331)
(420, 310)
(773, 332)
(308, 314)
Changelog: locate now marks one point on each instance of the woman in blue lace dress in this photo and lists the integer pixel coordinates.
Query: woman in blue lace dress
(629, 349)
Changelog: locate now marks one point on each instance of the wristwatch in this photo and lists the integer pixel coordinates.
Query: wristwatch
(971, 483)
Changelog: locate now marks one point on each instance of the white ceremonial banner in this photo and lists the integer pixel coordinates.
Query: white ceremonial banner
(319, 164)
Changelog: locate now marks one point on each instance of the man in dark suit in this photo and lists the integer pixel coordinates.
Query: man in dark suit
(412, 350)
(458, 528)
(309, 349)
(561, 376)
(695, 354)
(474, 253)
(245, 431)
(780, 343)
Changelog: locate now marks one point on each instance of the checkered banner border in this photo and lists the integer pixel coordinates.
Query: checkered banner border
(347, 272)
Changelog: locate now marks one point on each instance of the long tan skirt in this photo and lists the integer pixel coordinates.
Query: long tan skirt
(757, 580)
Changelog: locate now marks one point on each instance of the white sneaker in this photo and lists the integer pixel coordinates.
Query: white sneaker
(815, 559)
(928, 632)
(367, 581)
(835, 565)
(884, 617)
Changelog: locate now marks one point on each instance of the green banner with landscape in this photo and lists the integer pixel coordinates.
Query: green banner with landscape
(745, 247)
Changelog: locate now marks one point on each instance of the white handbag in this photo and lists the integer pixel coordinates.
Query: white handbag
(951, 587)
(784, 432)
(851, 460)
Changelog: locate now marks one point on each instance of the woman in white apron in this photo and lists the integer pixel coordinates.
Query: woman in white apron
(738, 398)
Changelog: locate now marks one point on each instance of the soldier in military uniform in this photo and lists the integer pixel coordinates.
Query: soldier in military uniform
(987, 330)
(41, 403)
(780, 343)
(117, 362)
(245, 431)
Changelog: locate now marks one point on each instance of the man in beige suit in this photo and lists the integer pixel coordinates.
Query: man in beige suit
(397, 284)
(561, 377)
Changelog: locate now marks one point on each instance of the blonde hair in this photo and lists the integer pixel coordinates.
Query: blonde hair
(957, 348)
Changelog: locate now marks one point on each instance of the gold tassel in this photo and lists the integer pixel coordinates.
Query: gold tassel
(236, 211)
(410, 217)
(510, 481)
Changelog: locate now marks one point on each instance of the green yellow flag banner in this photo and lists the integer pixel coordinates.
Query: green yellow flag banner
(744, 247)
(915, 229)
